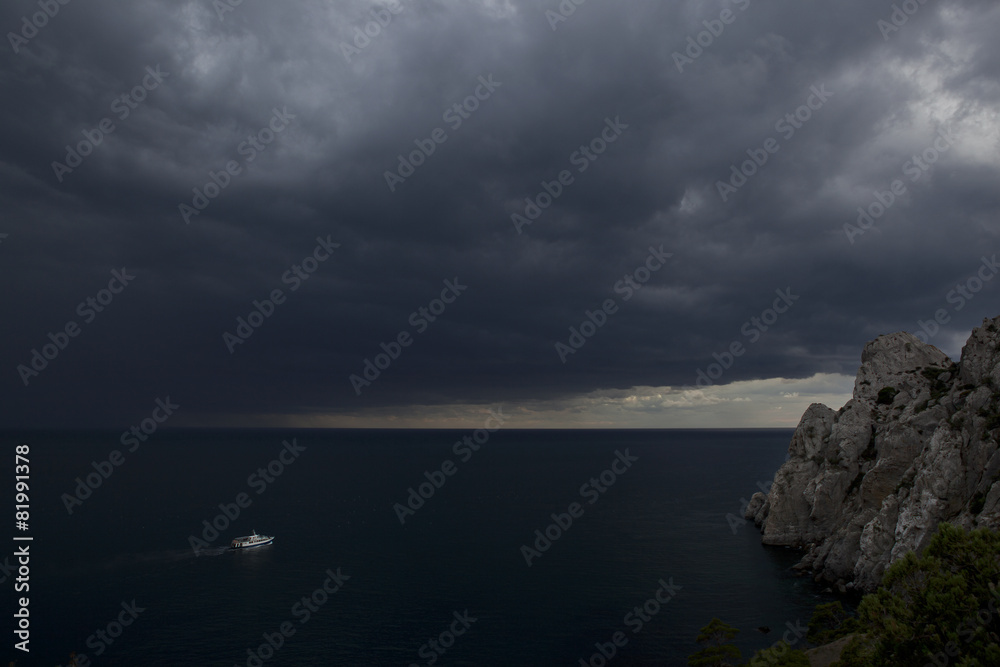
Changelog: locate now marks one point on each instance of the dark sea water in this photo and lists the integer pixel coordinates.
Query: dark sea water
(401, 585)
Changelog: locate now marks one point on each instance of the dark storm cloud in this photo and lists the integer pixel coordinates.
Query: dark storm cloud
(341, 110)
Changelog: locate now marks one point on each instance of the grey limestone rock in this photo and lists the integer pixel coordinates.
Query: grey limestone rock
(915, 446)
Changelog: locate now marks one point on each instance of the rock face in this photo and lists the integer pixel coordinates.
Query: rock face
(916, 445)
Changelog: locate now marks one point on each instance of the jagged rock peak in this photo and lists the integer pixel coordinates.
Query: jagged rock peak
(981, 355)
(916, 445)
(889, 358)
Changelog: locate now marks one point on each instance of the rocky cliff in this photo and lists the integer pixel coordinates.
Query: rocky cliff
(915, 446)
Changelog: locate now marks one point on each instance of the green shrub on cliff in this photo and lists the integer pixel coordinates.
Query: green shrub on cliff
(886, 395)
(717, 651)
(779, 655)
(940, 608)
(829, 623)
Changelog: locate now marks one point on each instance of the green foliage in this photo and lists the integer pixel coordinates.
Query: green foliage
(886, 394)
(717, 651)
(940, 607)
(932, 372)
(829, 623)
(779, 655)
(977, 503)
(938, 388)
(991, 413)
(905, 483)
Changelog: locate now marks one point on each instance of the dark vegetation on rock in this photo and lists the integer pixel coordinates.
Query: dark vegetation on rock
(939, 608)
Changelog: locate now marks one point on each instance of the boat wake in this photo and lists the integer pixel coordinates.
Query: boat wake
(212, 551)
(142, 563)
(162, 556)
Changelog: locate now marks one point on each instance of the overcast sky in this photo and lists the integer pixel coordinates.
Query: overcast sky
(694, 165)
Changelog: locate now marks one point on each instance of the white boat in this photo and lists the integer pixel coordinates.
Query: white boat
(250, 541)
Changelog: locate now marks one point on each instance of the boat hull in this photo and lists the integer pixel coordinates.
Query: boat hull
(237, 545)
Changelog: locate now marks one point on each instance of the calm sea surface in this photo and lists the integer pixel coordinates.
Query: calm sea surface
(454, 573)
